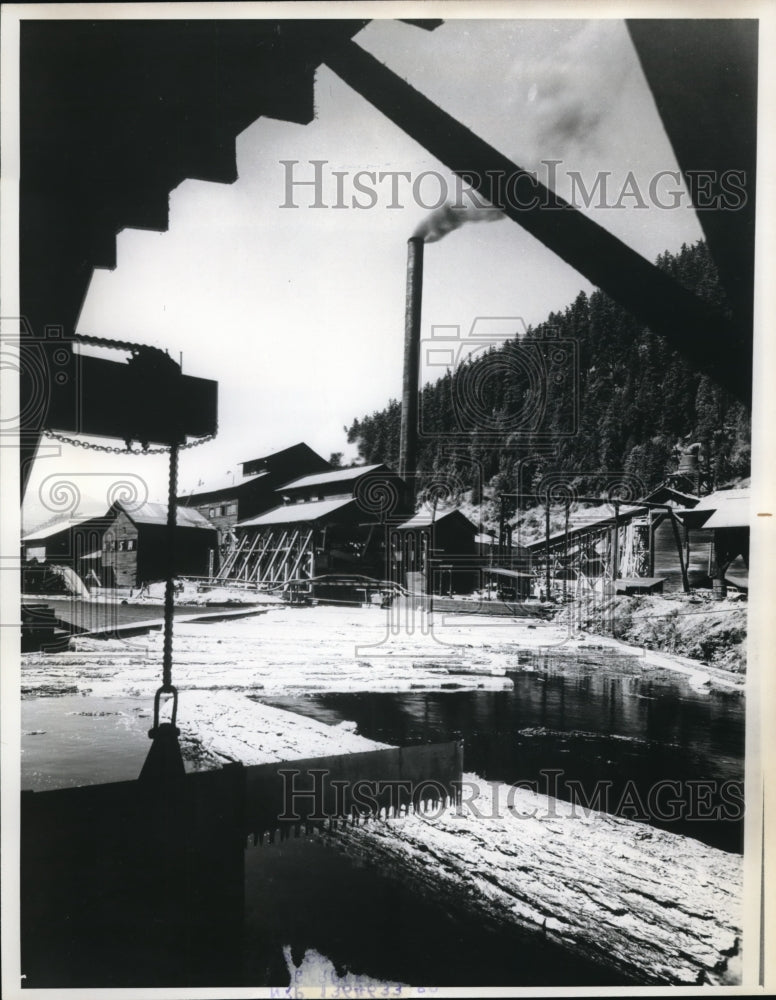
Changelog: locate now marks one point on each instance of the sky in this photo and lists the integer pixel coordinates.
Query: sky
(298, 313)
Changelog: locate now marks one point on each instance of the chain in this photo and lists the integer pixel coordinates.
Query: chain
(169, 599)
(169, 589)
(119, 345)
(172, 499)
(89, 446)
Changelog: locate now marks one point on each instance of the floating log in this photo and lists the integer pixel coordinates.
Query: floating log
(658, 907)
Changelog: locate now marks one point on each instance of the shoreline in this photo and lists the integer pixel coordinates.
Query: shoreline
(295, 650)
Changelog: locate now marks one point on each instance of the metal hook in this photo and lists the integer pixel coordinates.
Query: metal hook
(170, 689)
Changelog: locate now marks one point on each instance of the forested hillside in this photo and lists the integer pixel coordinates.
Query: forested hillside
(513, 414)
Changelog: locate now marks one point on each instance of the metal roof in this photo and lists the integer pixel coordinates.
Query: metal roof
(713, 500)
(691, 499)
(156, 513)
(300, 446)
(581, 521)
(219, 485)
(734, 513)
(513, 574)
(297, 513)
(53, 529)
(721, 509)
(424, 518)
(485, 539)
(337, 476)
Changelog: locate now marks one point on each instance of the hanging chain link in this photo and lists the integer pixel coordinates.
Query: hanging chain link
(126, 450)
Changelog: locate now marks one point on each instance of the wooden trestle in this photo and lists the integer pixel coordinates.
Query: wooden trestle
(270, 558)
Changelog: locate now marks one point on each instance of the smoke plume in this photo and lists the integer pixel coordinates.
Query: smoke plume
(562, 104)
(446, 218)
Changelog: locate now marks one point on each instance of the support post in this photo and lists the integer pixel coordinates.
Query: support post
(651, 540)
(502, 529)
(682, 564)
(547, 546)
(720, 560)
(565, 549)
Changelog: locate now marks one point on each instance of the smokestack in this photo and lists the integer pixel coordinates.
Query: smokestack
(408, 443)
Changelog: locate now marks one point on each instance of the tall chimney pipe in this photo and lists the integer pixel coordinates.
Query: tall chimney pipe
(408, 442)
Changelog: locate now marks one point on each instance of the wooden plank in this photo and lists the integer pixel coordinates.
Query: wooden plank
(302, 552)
(286, 558)
(244, 567)
(265, 577)
(254, 572)
(225, 570)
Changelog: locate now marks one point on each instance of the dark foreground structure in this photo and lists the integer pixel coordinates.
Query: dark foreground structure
(144, 881)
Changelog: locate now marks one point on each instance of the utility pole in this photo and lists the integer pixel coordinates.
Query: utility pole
(502, 529)
(547, 545)
(565, 549)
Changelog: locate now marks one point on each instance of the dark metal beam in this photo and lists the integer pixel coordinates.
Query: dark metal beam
(703, 77)
(705, 337)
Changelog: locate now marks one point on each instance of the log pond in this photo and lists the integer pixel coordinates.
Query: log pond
(597, 727)
(652, 749)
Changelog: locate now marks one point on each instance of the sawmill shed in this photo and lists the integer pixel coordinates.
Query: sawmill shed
(134, 546)
(436, 553)
(71, 548)
(664, 561)
(325, 524)
(228, 500)
(666, 542)
(724, 516)
(71, 542)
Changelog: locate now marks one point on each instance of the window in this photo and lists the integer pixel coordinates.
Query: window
(130, 545)
(212, 512)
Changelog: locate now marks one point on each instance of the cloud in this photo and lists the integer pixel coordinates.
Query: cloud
(567, 93)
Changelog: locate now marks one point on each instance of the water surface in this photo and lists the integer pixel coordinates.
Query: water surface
(606, 729)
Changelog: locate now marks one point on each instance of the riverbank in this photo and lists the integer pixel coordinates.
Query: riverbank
(691, 627)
